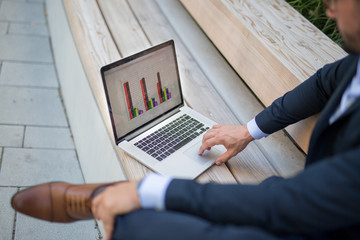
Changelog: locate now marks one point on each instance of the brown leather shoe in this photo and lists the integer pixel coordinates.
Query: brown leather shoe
(57, 201)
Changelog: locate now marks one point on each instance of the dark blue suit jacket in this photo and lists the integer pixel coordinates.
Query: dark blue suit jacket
(323, 200)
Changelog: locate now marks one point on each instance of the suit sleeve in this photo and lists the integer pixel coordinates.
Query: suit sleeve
(324, 197)
(305, 100)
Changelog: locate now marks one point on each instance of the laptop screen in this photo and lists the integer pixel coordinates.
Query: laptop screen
(141, 88)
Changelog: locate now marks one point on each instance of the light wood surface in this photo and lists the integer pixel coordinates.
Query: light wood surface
(94, 44)
(270, 45)
(96, 49)
(105, 31)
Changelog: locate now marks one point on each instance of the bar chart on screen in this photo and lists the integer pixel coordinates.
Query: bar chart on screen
(149, 99)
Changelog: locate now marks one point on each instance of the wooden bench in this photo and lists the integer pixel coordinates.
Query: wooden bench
(270, 45)
(87, 35)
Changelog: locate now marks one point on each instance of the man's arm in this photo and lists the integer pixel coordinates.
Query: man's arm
(324, 197)
(304, 101)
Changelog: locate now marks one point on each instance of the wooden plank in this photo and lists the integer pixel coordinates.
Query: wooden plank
(198, 92)
(125, 27)
(94, 44)
(96, 48)
(271, 46)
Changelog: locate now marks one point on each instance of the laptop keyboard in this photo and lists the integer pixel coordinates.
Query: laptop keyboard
(171, 137)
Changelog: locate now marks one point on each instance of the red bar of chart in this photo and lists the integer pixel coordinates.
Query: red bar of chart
(159, 87)
(144, 93)
(149, 104)
(164, 93)
(133, 112)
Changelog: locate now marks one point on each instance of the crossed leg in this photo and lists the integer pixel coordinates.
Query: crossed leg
(165, 225)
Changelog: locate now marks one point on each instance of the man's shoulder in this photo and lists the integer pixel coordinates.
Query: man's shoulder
(350, 61)
(336, 72)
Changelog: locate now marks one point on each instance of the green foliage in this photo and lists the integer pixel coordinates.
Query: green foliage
(315, 12)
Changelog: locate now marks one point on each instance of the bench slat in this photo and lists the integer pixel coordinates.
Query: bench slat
(124, 27)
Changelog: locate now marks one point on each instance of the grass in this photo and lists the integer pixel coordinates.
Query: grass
(314, 11)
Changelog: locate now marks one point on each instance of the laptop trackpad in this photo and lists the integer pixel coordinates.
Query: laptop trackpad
(208, 156)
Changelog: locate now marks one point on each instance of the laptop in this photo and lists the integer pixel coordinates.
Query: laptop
(149, 119)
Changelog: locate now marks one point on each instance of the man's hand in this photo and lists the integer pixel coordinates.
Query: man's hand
(234, 138)
(117, 199)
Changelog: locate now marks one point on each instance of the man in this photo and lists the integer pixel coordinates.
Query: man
(322, 202)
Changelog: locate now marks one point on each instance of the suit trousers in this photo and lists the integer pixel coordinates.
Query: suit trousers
(166, 225)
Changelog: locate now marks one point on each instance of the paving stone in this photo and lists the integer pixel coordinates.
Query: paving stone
(3, 27)
(29, 29)
(31, 106)
(54, 138)
(7, 214)
(25, 48)
(22, 11)
(26, 167)
(25, 74)
(11, 136)
(30, 228)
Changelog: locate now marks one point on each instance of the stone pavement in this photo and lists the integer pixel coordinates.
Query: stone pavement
(35, 139)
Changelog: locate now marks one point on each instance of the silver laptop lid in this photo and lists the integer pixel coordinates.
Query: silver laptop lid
(142, 88)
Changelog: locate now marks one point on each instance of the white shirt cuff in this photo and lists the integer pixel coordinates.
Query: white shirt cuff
(254, 130)
(152, 190)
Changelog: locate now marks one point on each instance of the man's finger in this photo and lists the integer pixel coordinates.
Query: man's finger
(210, 134)
(207, 136)
(108, 226)
(208, 144)
(202, 149)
